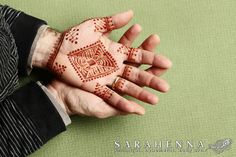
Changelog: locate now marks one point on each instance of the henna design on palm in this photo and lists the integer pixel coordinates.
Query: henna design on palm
(130, 52)
(92, 62)
(127, 71)
(103, 92)
(54, 53)
(103, 24)
(119, 84)
(123, 50)
(58, 69)
(72, 35)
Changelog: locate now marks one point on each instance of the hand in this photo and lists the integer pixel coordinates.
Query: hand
(77, 101)
(84, 57)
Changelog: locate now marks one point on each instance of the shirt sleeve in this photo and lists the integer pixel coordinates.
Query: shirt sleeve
(27, 30)
(28, 118)
(24, 29)
(65, 117)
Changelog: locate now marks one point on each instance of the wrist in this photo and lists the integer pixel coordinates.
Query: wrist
(45, 45)
(57, 97)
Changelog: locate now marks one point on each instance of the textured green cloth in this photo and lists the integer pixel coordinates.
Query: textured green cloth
(199, 36)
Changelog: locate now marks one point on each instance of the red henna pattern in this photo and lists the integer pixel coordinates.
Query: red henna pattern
(127, 71)
(130, 52)
(92, 62)
(119, 84)
(54, 52)
(103, 92)
(72, 35)
(58, 69)
(104, 24)
(123, 50)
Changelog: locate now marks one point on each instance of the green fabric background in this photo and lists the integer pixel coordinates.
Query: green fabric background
(199, 36)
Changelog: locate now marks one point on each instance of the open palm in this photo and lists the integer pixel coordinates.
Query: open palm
(85, 57)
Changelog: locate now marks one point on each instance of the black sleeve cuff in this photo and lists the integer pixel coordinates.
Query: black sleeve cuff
(24, 30)
(35, 104)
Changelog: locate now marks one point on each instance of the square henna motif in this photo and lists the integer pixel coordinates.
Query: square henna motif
(92, 62)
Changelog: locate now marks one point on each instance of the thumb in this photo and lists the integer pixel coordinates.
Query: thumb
(121, 19)
(107, 24)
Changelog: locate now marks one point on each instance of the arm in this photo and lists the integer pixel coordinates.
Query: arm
(28, 116)
(24, 29)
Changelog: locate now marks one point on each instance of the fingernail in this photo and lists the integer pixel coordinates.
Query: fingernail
(137, 27)
(164, 87)
(140, 111)
(129, 11)
(157, 38)
(169, 63)
(152, 99)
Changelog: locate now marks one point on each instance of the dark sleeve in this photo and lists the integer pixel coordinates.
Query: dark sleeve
(34, 103)
(28, 119)
(24, 29)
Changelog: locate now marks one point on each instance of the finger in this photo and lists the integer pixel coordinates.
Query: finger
(106, 110)
(135, 104)
(146, 57)
(121, 19)
(116, 100)
(150, 43)
(107, 24)
(130, 35)
(156, 71)
(137, 92)
(144, 78)
(140, 56)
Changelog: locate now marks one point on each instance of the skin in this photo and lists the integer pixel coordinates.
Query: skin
(83, 102)
(76, 101)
